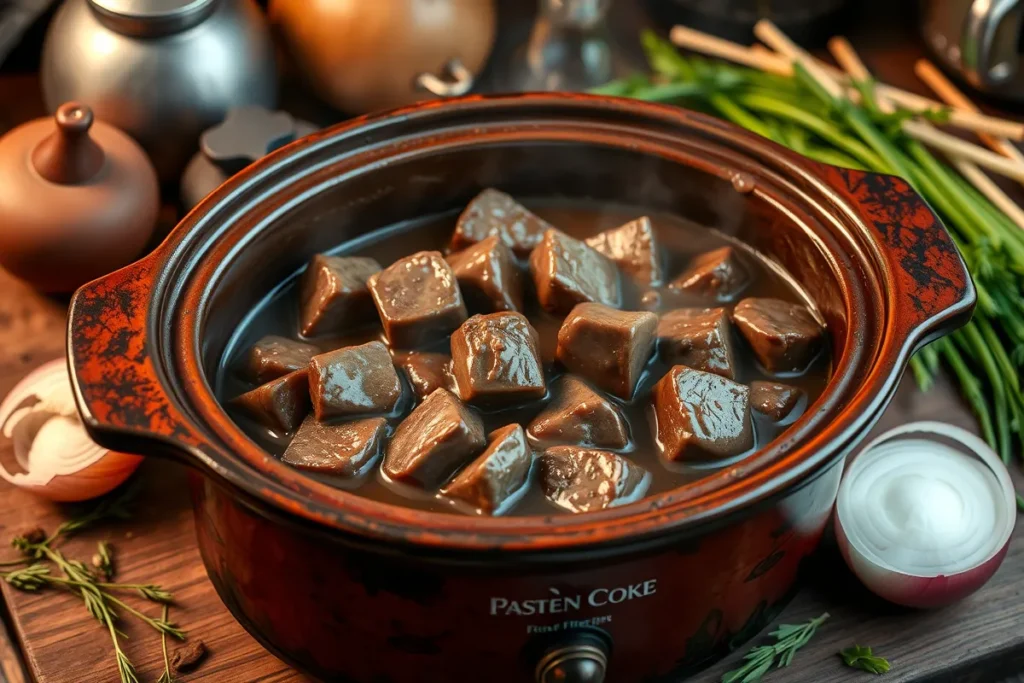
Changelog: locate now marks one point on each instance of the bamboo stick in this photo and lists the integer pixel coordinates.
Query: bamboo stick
(758, 57)
(771, 36)
(988, 187)
(846, 56)
(952, 96)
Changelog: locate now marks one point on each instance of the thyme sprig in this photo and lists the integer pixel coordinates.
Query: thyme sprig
(788, 639)
(40, 555)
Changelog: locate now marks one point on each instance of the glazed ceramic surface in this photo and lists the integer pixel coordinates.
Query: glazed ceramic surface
(642, 592)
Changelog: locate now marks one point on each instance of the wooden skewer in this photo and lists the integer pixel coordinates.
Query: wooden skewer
(771, 36)
(988, 187)
(952, 96)
(758, 57)
(950, 144)
(848, 59)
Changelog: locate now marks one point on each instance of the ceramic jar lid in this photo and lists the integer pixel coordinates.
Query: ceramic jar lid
(79, 199)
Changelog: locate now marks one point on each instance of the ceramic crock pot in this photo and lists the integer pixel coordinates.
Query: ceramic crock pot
(351, 589)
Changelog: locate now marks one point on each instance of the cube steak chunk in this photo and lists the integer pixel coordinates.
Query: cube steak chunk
(334, 295)
(701, 416)
(583, 480)
(440, 435)
(418, 300)
(497, 474)
(606, 346)
(344, 449)
(354, 380)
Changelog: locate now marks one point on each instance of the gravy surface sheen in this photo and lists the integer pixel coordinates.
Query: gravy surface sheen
(680, 242)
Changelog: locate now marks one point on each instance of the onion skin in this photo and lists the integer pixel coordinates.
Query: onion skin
(916, 591)
(103, 476)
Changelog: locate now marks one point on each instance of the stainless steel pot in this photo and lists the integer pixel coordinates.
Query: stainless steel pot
(979, 40)
(161, 70)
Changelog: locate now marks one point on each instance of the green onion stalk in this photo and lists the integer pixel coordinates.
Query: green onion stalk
(985, 357)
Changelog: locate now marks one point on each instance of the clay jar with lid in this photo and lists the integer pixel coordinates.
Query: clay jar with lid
(79, 199)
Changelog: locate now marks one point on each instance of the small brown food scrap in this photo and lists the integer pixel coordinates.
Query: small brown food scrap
(785, 337)
(583, 480)
(272, 357)
(579, 416)
(567, 272)
(700, 338)
(437, 438)
(606, 346)
(495, 359)
(717, 273)
(701, 415)
(488, 276)
(418, 300)
(334, 295)
(775, 401)
(281, 403)
(34, 536)
(425, 370)
(634, 248)
(344, 449)
(354, 380)
(188, 657)
(498, 473)
(495, 213)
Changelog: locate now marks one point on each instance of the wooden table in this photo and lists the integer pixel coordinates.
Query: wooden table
(53, 639)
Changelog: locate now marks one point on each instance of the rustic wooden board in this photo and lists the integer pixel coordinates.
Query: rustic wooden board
(973, 641)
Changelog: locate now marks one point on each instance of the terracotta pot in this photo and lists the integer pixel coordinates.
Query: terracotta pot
(79, 199)
(356, 590)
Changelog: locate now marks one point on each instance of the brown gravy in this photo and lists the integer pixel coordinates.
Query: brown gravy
(680, 241)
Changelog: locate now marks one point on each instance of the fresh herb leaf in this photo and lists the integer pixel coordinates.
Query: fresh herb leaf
(166, 676)
(858, 657)
(788, 639)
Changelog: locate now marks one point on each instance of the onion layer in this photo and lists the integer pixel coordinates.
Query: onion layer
(52, 450)
(921, 522)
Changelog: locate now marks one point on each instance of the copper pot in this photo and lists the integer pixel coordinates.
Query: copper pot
(647, 591)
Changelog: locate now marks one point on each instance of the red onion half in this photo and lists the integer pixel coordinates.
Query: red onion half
(924, 514)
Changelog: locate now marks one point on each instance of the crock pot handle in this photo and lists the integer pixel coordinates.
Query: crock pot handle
(123, 404)
(928, 284)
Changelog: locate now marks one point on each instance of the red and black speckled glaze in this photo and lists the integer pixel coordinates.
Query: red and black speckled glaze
(359, 591)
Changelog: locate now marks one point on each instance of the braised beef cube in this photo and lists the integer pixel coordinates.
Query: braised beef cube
(272, 356)
(488, 276)
(701, 416)
(437, 438)
(496, 359)
(495, 213)
(353, 380)
(334, 295)
(700, 338)
(785, 337)
(425, 370)
(567, 272)
(775, 401)
(497, 474)
(345, 449)
(281, 403)
(607, 346)
(418, 300)
(717, 273)
(583, 480)
(579, 416)
(634, 249)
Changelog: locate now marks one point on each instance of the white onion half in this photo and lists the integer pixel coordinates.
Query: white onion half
(58, 459)
(922, 522)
